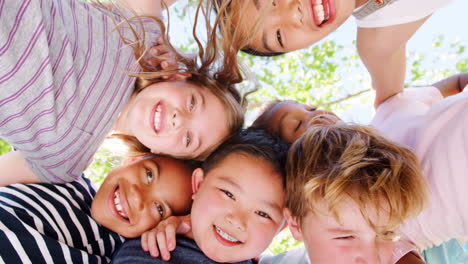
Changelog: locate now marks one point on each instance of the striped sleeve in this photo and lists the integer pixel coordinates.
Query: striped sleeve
(63, 82)
(47, 223)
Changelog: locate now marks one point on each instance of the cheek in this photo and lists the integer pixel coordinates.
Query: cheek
(263, 234)
(386, 250)
(319, 250)
(145, 223)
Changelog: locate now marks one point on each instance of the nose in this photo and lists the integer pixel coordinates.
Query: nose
(135, 197)
(368, 254)
(176, 119)
(236, 220)
(292, 10)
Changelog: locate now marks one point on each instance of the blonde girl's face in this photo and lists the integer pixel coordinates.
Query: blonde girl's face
(290, 119)
(177, 118)
(289, 25)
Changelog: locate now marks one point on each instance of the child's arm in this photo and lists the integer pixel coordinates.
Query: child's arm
(410, 258)
(163, 236)
(146, 7)
(452, 85)
(382, 51)
(14, 169)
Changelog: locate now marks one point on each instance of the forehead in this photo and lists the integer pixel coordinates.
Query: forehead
(253, 19)
(166, 165)
(280, 111)
(350, 216)
(249, 174)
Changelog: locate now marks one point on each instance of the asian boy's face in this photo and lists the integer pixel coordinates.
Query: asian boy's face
(237, 208)
(351, 241)
(135, 197)
(290, 119)
(294, 24)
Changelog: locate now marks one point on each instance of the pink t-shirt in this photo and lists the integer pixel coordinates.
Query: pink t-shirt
(436, 129)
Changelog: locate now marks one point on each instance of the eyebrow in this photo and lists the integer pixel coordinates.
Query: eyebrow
(283, 116)
(229, 181)
(200, 109)
(158, 169)
(265, 42)
(339, 230)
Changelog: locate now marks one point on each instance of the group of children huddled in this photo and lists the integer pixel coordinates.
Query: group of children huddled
(197, 187)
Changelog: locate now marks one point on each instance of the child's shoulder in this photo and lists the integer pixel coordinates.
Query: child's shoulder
(399, 12)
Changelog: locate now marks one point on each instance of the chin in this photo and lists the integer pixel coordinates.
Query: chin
(222, 259)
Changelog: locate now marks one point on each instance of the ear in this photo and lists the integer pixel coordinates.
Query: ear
(130, 160)
(180, 76)
(198, 176)
(293, 225)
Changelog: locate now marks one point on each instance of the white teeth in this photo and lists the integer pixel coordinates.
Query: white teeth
(225, 236)
(319, 11)
(319, 8)
(157, 118)
(117, 204)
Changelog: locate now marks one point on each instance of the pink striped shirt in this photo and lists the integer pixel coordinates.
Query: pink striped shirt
(62, 82)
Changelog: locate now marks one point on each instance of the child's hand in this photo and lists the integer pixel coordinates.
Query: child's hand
(162, 239)
(160, 57)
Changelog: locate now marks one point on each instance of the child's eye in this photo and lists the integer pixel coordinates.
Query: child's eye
(311, 108)
(279, 38)
(192, 103)
(389, 235)
(298, 125)
(228, 194)
(263, 214)
(160, 210)
(188, 139)
(344, 237)
(149, 176)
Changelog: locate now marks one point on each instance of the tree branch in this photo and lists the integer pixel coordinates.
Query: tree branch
(345, 98)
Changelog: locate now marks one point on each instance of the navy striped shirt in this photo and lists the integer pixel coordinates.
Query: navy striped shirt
(63, 82)
(52, 223)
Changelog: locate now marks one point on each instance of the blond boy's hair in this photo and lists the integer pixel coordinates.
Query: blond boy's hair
(330, 163)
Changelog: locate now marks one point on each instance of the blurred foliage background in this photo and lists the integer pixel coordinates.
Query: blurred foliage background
(329, 75)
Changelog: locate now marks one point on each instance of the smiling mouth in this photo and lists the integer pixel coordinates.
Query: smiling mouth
(225, 238)
(157, 118)
(321, 11)
(118, 206)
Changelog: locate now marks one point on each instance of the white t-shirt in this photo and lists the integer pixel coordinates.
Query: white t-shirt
(437, 131)
(401, 12)
(296, 256)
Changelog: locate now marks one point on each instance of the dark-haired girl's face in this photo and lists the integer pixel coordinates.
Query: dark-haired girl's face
(289, 25)
(290, 119)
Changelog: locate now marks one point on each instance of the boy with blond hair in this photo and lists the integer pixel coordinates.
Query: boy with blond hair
(348, 191)
(421, 119)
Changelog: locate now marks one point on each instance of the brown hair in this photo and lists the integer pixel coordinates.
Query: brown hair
(329, 163)
(263, 120)
(219, 81)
